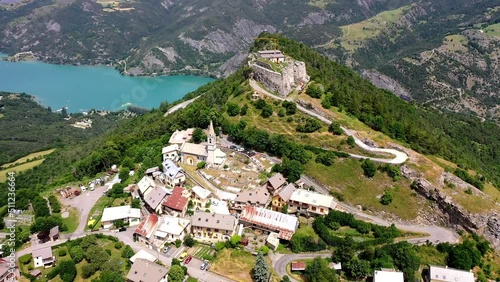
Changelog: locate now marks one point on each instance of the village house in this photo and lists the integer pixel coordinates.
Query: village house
(43, 257)
(143, 270)
(180, 137)
(212, 227)
(275, 56)
(298, 266)
(128, 215)
(276, 182)
(172, 174)
(146, 229)
(171, 152)
(270, 221)
(171, 229)
(146, 184)
(48, 235)
(176, 204)
(144, 255)
(6, 274)
(388, 275)
(258, 198)
(304, 201)
(199, 197)
(282, 197)
(154, 199)
(447, 274)
(152, 172)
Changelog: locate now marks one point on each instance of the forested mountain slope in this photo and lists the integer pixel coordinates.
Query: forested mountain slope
(28, 127)
(443, 53)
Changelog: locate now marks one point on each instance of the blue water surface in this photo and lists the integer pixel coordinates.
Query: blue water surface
(81, 88)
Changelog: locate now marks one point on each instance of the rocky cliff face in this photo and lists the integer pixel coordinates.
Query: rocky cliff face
(453, 214)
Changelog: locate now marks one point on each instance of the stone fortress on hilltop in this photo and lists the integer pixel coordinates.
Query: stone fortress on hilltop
(278, 72)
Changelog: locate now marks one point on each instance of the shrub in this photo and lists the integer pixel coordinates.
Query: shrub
(260, 103)
(62, 252)
(88, 270)
(25, 259)
(235, 241)
(351, 142)
(233, 109)
(281, 112)
(208, 257)
(189, 241)
(327, 158)
(309, 126)
(369, 168)
(243, 110)
(264, 250)
(178, 243)
(108, 251)
(267, 111)
(127, 252)
(201, 165)
(118, 245)
(314, 91)
(219, 246)
(76, 253)
(386, 198)
(334, 128)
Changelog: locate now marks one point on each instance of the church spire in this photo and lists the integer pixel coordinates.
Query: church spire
(211, 130)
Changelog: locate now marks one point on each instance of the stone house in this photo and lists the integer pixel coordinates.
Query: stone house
(172, 174)
(212, 227)
(282, 197)
(176, 203)
(43, 257)
(258, 198)
(171, 228)
(127, 214)
(143, 270)
(309, 202)
(144, 233)
(200, 197)
(276, 182)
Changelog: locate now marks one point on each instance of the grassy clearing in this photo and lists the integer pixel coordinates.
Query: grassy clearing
(234, 264)
(98, 208)
(455, 43)
(287, 126)
(72, 221)
(19, 168)
(346, 176)
(29, 157)
(492, 30)
(430, 255)
(355, 34)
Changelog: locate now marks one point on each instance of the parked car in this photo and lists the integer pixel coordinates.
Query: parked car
(121, 229)
(188, 259)
(204, 265)
(183, 255)
(207, 266)
(233, 147)
(167, 249)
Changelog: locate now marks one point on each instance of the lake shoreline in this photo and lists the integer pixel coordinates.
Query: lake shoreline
(101, 87)
(193, 72)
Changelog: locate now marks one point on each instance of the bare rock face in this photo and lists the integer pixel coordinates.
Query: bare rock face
(385, 82)
(455, 216)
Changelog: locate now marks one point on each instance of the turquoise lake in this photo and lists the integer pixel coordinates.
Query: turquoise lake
(81, 88)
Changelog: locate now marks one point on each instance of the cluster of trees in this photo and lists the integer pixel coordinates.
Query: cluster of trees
(369, 168)
(458, 138)
(466, 255)
(334, 128)
(54, 204)
(318, 271)
(309, 125)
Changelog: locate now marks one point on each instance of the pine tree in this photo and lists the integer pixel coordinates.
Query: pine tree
(261, 269)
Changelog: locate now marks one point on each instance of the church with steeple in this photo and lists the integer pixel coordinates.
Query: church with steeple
(191, 153)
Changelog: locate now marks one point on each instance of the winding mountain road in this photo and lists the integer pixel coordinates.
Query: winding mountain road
(180, 106)
(400, 157)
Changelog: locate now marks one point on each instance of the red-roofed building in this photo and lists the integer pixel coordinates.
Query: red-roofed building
(146, 229)
(176, 204)
(298, 265)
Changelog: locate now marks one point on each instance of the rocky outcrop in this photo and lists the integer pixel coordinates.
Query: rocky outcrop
(385, 82)
(454, 215)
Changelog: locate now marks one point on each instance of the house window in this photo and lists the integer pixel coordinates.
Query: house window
(314, 208)
(209, 229)
(216, 230)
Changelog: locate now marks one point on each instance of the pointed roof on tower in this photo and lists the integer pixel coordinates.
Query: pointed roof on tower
(211, 130)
